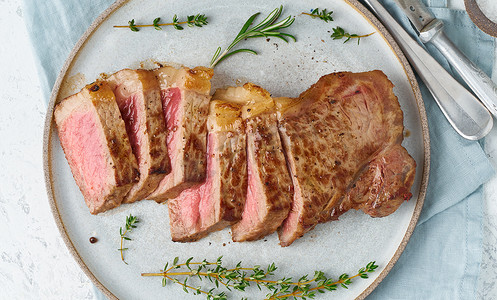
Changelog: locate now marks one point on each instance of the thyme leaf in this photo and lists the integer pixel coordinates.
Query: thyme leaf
(197, 20)
(269, 27)
(339, 33)
(130, 224)
(240, 278)
(321, 14)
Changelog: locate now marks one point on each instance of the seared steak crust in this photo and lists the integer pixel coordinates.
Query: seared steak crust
(93, 137)
(382, 185)
(138, 97)
(219, 201)
(270, 186)
(330, 133)
(185, 97)
(269, 192)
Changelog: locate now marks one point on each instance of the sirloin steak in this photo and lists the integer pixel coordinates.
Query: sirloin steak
(138, 97)
(219, 201)
(345, 124)
(185, 101)
(269, 193)
(93, 137)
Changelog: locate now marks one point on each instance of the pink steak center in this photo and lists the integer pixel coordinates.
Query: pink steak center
(81, 134)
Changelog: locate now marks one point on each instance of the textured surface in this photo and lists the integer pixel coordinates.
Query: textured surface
(330, 133)
(96, 146)
(34, 262)
(138, 97)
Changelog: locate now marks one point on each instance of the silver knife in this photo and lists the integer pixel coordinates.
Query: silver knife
(462, 109)
(430, 30)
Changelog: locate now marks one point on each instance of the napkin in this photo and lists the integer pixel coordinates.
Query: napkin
(442, 259)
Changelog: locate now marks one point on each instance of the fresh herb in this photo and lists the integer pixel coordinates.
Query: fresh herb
(239, 278)
(339, 33)
(269, 27)
(197, 20)
(323, 15)
(130, 224)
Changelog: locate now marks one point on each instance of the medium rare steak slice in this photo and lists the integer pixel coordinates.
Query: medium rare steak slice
(269, 193)
(185, 101)
(330, 133)
(382, 186)
(219, 201)
(138, 97)
(94, 140)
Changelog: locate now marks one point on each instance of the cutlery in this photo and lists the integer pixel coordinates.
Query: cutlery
(430, 30)
(463, 110)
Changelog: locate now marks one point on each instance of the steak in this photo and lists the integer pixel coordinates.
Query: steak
(219, 201)
(185, 101)
(269, 193)
(138, 97)
(93, 137)
(345, 124)
(382, 185)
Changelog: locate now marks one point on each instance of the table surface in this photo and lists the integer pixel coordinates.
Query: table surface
(34, 262)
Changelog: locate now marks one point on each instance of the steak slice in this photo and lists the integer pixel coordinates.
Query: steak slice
(330, 134)
(138, 97)
(269, 193)
(219, 201)
(93, 137)
(185, 102)
(382, 186)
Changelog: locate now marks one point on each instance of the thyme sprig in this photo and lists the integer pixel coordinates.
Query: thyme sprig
(239, 278)
(339, 33)
(130, 224)
(269, 27)
(321, 14)
(197, 20)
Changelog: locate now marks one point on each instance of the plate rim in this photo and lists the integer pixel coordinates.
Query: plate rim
(355, 4)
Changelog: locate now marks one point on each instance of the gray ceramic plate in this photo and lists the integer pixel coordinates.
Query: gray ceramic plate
(284, 70)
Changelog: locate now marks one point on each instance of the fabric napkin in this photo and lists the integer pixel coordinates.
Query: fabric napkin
(442, 259)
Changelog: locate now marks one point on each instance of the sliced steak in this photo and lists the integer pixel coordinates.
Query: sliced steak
(330, 134)
(269, 193)
(93, 137)
(185, 101)
(138, 97)
(219, 201)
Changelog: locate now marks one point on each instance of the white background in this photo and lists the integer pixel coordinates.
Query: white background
(34, 262)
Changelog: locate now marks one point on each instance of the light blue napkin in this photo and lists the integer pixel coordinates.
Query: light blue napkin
(443, 256)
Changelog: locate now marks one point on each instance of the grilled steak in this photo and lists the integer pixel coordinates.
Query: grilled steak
(382, 185)
(138, 97)
(94, 140)
(344, 124)
(269, 193)
(185, 101)
(219, 201)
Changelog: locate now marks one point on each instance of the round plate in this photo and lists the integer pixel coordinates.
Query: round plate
(284, 70)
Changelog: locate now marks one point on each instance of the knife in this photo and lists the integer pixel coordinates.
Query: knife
(430, 30)
(464, 112)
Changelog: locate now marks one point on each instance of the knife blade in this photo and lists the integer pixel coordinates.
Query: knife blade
(462, 109)
(430, 30)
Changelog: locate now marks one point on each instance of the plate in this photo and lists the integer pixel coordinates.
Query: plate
(284, 70)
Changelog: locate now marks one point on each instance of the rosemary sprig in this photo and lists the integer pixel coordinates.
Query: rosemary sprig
(269, 27)
(323, 14)
(130, 224)
(197, 20)
(239, 278)
(339, 33)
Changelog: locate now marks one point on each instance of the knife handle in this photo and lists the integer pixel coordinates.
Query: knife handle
(484, 88)
(462, 109)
